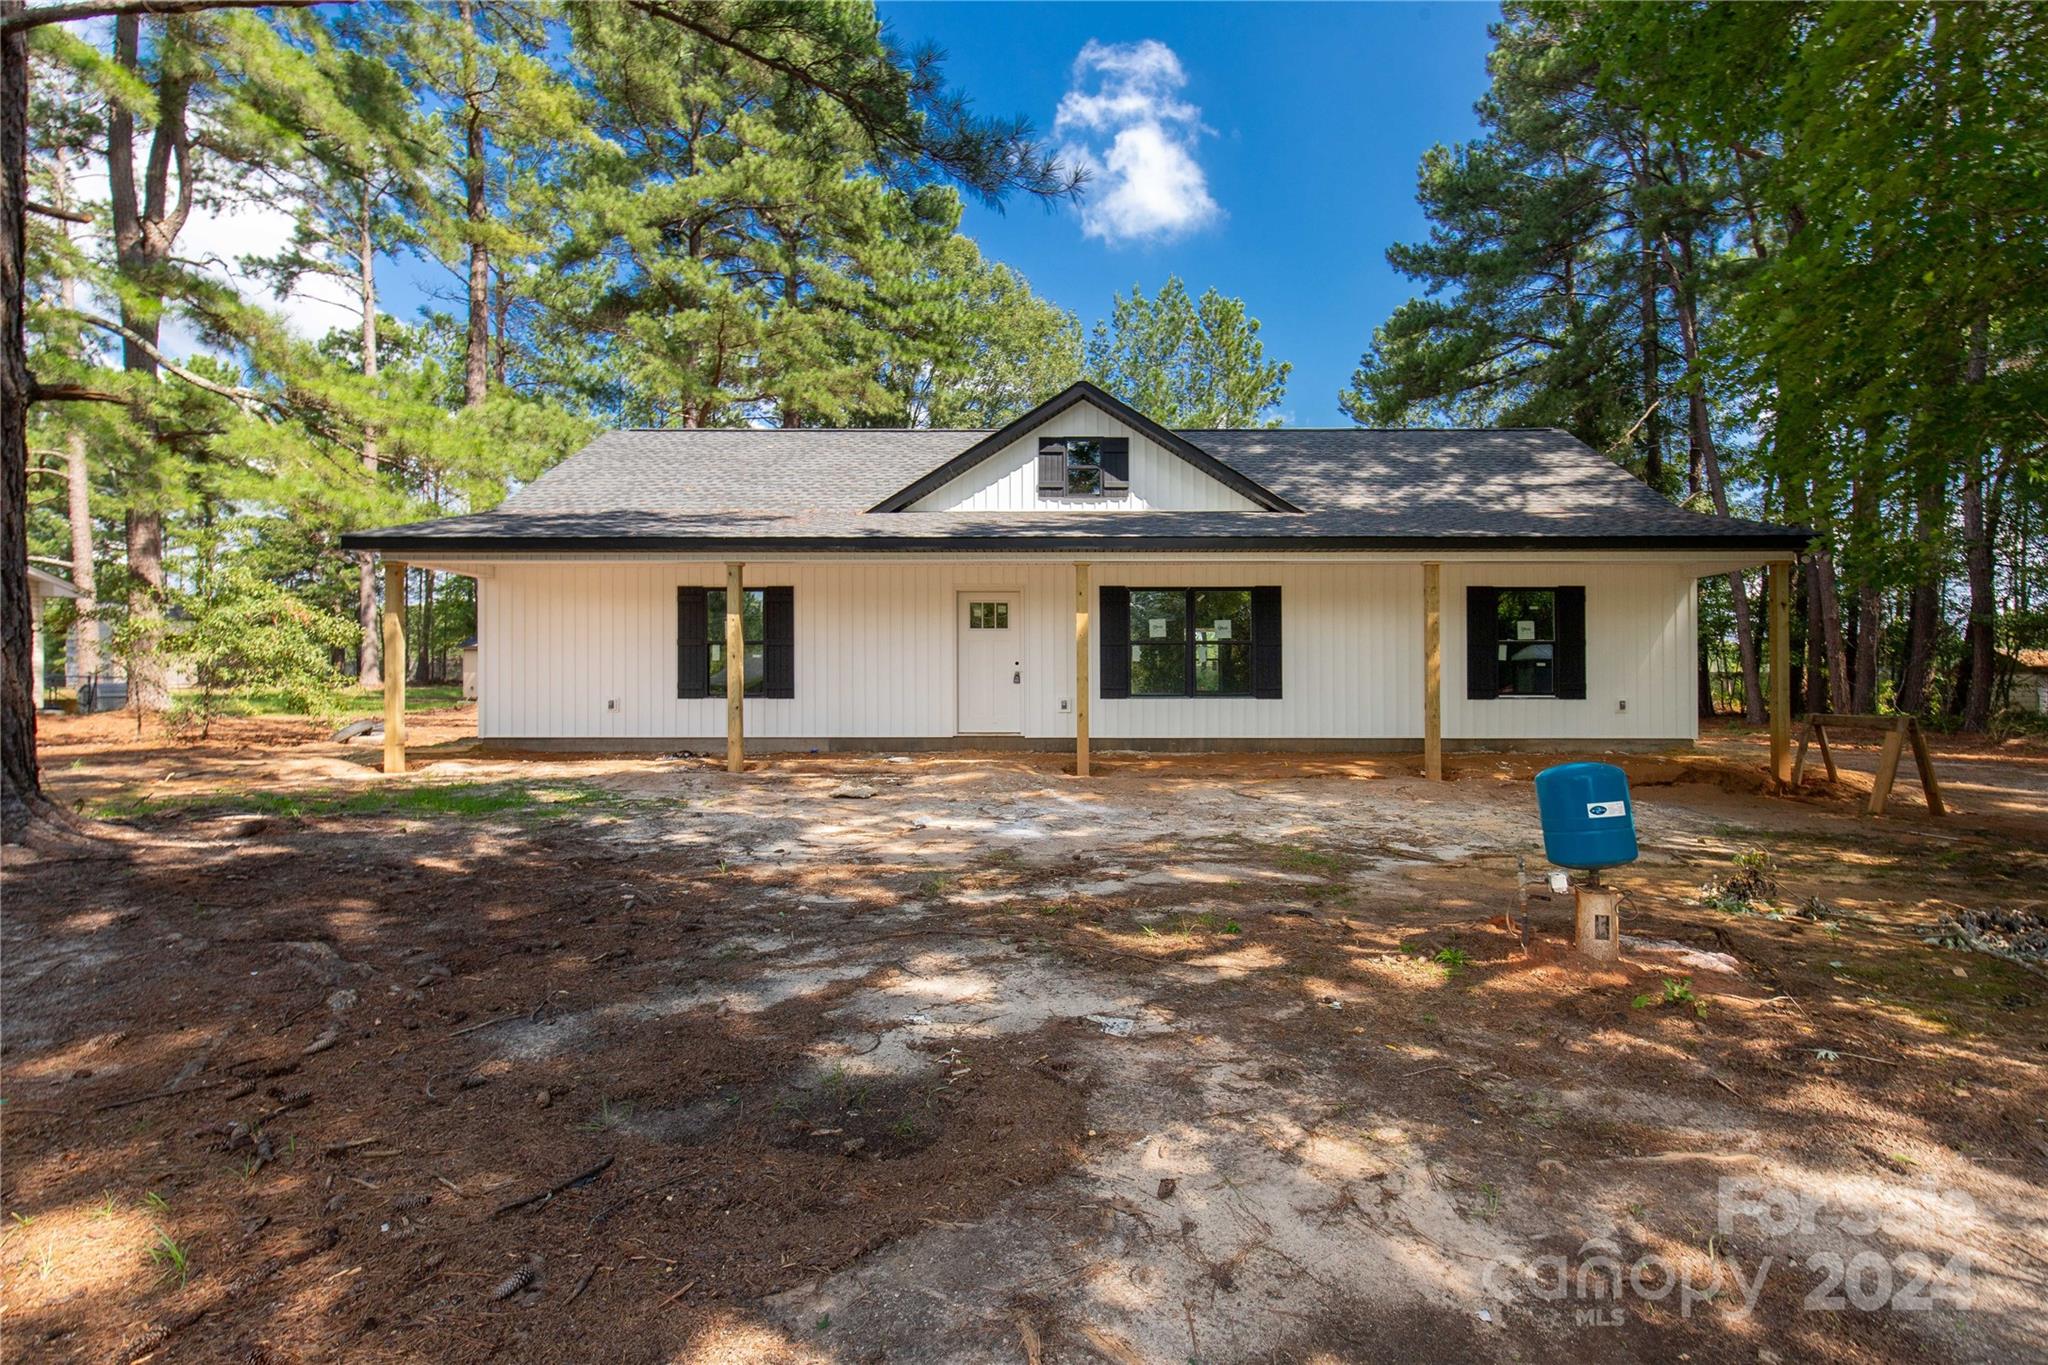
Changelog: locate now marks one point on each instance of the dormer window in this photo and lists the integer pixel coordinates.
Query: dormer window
(1084, 467)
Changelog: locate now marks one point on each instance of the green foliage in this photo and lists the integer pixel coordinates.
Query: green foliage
(1679, 993)
(1452, 960)
(449, 798)
(1187, 362)
(172, 1259)
(247, 636)
(1807, 245)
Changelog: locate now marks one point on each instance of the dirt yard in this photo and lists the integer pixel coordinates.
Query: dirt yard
(960, 1058)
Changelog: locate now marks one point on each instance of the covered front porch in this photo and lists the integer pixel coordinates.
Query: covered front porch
(600, 653)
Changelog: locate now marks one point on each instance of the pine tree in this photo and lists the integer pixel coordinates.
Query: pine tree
(1187, 362)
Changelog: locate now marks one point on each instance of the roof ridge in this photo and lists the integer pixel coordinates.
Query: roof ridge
(984, 431)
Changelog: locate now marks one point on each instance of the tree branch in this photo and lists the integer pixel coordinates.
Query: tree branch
(105, 9)
(255, 404)
(63, 215)
(72, 393)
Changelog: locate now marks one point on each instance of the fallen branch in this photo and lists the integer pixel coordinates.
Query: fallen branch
(581, 1285)
(153, 1095)
(472, 1028)
(543, 1196)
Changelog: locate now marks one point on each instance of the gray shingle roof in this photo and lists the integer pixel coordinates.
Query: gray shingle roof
(808, 489)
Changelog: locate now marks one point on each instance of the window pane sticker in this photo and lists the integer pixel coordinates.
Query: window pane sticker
(1525, 630)
(1158, 627)
(1223, 627)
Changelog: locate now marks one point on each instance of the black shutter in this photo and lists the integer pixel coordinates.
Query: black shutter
(1052, 466)
(693, 655)
(1482, 643)
(1116, 465)
(1266, 642)
(1571, 644)
(1115, 630)
(778, 629)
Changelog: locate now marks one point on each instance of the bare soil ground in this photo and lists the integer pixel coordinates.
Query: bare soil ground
(959, 1058)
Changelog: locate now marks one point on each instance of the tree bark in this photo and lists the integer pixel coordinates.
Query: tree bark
(423, 673)
(370, 640)
(1653, 424)
(21, 792)
(1923, 610)
(146, 227)
(476, 356)
(1828, 608)
(1701, 429)
(78, 505)
(1979, 639)
(1980, 531)
(1869, 602)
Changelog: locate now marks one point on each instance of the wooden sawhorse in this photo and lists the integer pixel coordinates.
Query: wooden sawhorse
(1899, 731)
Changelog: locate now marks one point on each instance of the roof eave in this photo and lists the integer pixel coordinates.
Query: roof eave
(395, 542)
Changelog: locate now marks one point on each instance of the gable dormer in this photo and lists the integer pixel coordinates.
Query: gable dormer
(1084, 451)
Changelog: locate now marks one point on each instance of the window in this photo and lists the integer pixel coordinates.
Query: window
(988, 615)
(1191, 642)
(1526, 642)
(1084, 467)
(753, 626)
(767, 625)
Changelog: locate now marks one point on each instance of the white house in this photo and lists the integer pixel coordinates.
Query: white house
(43, 588)
(1085, 574)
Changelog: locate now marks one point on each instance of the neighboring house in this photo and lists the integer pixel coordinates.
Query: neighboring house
(2030, 680)
(106, 687)
(43, 588)
(1225, 589)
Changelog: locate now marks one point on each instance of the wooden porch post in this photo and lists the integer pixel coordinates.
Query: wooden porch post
(735, 671)
(1779, 576)
(1433, 672)
(394, 667)
(1080, 670)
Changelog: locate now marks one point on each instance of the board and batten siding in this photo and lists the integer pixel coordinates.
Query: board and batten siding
(1007, 481)
(587, 651)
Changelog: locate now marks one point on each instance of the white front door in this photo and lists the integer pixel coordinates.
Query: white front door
(991, 664)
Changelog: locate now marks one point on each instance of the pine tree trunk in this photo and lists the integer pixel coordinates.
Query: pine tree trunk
(1980, 515)
(422, 674)
(476, 355)
(370, 639)
(1923, 610)
(21, 792)
(1653, 422)
(1828, 607)
(1869, 602)
(1979, 638)
(78, 474)
(1701, 429)
(146, 226)
(83, 576)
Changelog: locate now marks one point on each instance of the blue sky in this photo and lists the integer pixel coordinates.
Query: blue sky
(1268, 150)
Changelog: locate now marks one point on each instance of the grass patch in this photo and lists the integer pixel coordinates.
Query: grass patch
(1207, 922)
(447, 798)
(350, 702)
(1301, 858)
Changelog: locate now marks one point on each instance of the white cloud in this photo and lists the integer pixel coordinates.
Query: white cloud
(1126, 123)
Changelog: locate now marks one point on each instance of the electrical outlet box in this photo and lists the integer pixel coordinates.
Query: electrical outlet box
(1624, 703)
(612, 704)
(1063, 706)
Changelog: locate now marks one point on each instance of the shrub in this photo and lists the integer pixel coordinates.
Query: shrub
(248, 635)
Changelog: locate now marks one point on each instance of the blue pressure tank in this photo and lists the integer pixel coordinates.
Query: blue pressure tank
(1587, 822)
